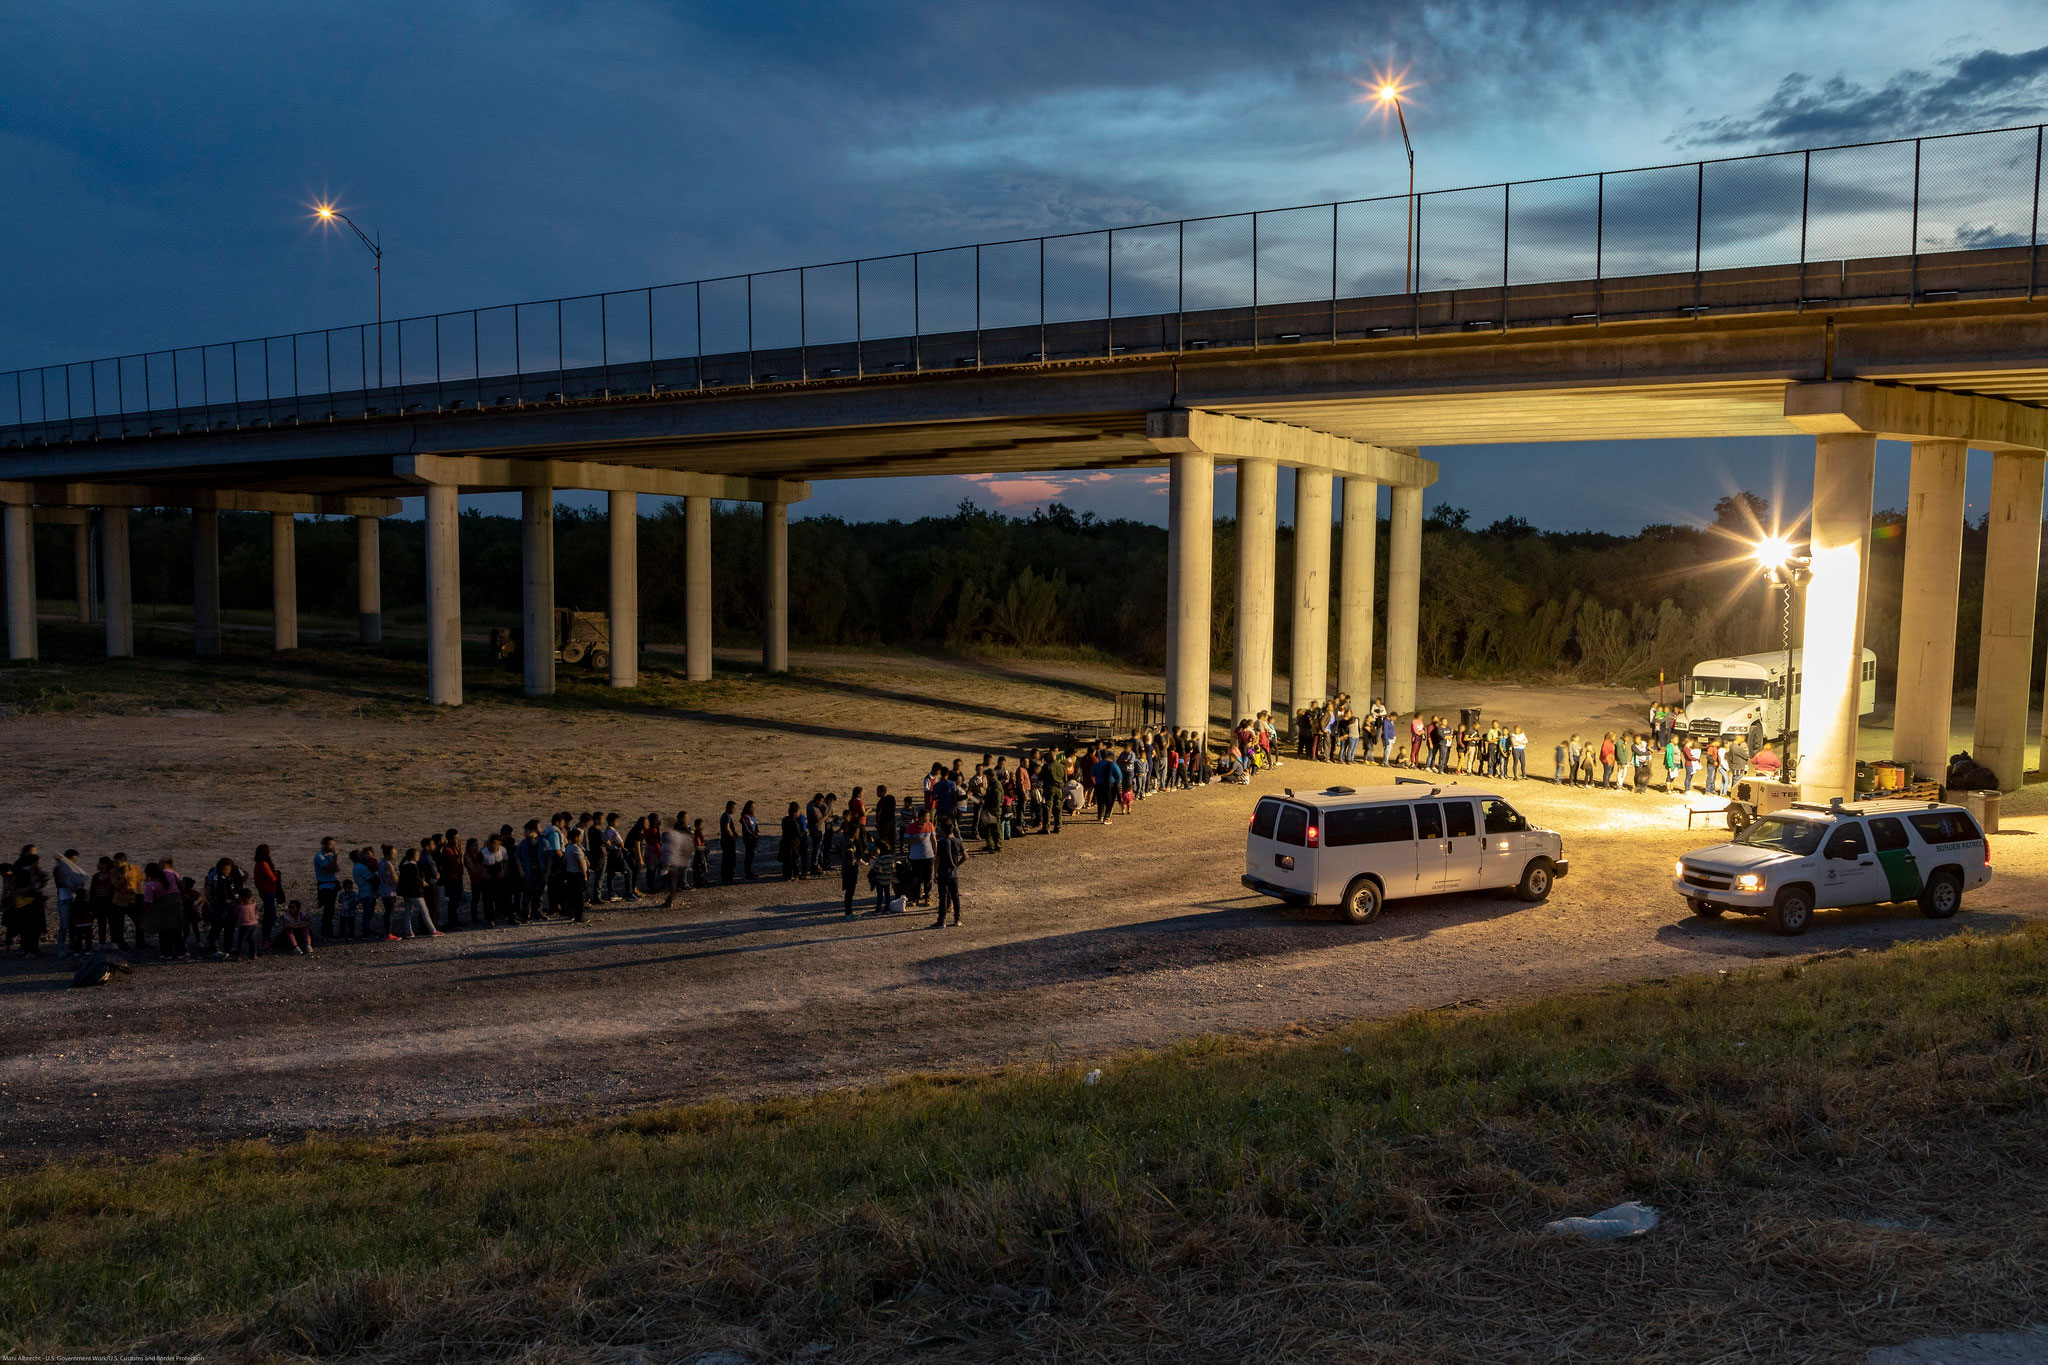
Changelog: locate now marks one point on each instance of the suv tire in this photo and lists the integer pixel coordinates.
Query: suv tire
(1362, 901)
(1942, 897)
(1792, 912)
(1537, 879)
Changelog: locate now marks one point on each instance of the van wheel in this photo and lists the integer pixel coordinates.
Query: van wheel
(1362, 901)
(1704, 910)
(1942, 897)
(1793, 911)
(1536, 878)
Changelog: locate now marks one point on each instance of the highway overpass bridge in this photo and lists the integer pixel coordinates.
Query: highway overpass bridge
(1850, 294)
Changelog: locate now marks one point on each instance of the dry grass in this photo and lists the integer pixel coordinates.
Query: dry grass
(1846, 1152)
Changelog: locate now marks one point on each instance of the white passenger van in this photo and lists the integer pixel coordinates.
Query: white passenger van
(1359, 850)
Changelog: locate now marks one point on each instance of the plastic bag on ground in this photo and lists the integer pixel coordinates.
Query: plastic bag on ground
(1623, 1220)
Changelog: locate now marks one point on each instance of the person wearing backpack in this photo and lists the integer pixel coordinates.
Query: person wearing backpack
(951, 853)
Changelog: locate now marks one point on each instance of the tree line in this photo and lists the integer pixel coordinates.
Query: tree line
(1503, 600)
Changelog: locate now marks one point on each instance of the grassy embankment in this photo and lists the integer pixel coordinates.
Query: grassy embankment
(1846, 1152)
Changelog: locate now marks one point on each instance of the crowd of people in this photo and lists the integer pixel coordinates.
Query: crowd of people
(1662, 756)
(907, 851)
(903, 851)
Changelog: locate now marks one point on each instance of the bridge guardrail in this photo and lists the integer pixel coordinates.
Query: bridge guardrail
(1916, 200)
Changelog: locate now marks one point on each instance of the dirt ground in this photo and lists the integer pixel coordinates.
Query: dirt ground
(1073, 946)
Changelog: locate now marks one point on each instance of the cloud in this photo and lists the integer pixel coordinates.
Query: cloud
(1986, 89)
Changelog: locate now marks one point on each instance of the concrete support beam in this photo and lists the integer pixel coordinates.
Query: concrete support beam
(1404, 597)
(20, 548)
(1309, 668)
(482, 473)
(1859, 407)
(775, 587)
(81, 569)
(1927, 607)
(1190, 557)
(369, 583)
(118, 584)
(284, 581)
(96, 495)
(1831, 661)
(1354, 591)
(1258, 496)
(537, 554)
(206, 632)
(1178, 431)
(444, 598)
(623, 516)
(696, 589)
(2005, 645)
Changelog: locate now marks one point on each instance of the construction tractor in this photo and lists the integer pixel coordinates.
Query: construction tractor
(581, 637)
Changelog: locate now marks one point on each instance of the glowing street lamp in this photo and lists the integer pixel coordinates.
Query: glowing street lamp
(1388, 94)
(328, 216)
(1784, 571)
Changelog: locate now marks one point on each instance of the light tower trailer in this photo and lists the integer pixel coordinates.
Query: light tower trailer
(1727, 696)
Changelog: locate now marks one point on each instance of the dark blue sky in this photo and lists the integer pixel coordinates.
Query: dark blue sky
(159, 159)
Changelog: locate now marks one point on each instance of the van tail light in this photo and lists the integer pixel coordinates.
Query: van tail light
(1315, 836)
(1987, 853)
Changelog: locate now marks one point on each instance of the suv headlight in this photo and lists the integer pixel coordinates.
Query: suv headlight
(1678, 868)
(1749, 881)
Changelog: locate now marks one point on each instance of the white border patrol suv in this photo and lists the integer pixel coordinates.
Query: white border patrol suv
(1359, 850)
(1809, 857)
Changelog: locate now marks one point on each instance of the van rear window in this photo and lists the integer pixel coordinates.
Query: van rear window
(1367, 825)
(1262, 818)
(1946, 827)
(1293, 827)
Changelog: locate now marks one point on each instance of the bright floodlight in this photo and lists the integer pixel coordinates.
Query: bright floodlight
(1773, 551)
(324, 210)
(1389, 92)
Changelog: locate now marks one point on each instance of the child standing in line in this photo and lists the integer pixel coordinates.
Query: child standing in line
(700, 856)
(247, 918)
(850, 859)
(347, 902)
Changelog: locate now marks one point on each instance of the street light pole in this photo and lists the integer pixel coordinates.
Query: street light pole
(327, 213)
(1389, 93)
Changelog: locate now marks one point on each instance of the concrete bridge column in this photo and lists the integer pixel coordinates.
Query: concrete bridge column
(1258, 496)
(1190, 557)
(1354, 591)
(114, 576)
(2005, 646)
(444, 596)
(537, 551)
(775, 587)
(369, 582)
(19, 522)
(696, 589)
(622, 514)
(1404, 596)
(1927, 607)
(1309, 668)
(206, 633)
(1831, 661)
(81, 570)
(284, 581)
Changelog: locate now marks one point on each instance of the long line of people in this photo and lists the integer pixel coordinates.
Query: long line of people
(1663, 756)
(905, 849)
